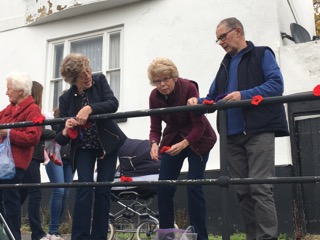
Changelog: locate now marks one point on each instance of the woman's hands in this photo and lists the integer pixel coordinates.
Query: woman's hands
(79, 120)
(177, 148)
(83, 115)
(174, 149)
(3, 133)
(70, 124)
(154, 152)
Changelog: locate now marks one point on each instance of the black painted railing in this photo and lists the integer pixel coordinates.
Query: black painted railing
(223, 181)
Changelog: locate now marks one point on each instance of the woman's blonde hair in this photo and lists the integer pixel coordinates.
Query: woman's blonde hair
(162, 66)
(73, 65)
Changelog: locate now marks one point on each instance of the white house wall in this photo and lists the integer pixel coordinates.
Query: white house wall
(183, 30)
(43, 11)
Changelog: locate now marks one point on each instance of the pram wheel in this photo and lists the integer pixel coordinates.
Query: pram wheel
(124, 229)
(110, 232)
(147, 230)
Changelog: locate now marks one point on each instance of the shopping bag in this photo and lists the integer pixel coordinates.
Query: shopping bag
(7, 166)
(176, 234)
(52, 152)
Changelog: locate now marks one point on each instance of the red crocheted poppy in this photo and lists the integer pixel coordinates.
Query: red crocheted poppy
(39, 120)
(73, 133)
(55, 160)
(316, 91)
(256, 100)
(164, 149)
(207, 102)
(125, 179)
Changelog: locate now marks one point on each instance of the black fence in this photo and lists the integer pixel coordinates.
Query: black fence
(223, 181)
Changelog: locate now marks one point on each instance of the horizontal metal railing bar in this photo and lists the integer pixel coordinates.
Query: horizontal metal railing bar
(219, 182)
(223, 181)
(308, 96)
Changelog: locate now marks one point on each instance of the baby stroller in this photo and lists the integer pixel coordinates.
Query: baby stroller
(134, 214)
(5, 232)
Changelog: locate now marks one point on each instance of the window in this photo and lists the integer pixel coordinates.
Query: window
(103, 50)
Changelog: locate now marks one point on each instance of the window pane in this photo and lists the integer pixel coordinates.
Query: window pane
(92, 48)
(57, 89)
(114, 56)
(58, 56)
(115, 83)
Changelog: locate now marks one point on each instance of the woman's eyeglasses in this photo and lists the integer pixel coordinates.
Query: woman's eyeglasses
(157, 82)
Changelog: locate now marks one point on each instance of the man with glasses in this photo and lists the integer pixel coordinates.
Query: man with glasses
(247, 71)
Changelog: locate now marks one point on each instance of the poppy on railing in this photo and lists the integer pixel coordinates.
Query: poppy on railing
(39, 120)
(208, 102)
(316, 91)
(256, 100)
(125, 179)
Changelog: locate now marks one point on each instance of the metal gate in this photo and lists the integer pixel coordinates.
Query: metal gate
(308, 151)
(304, 123)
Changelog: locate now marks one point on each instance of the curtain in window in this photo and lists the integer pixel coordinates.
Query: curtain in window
(58, 57)
(115, 83)
(92, 48)
(114, 63)
(57, 79)
(114, 56)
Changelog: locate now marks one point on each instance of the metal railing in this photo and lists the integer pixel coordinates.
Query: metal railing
(223, 181)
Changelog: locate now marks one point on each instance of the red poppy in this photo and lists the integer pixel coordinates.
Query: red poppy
(73, 133)
(39, 120)
(207, 102)
(164, 149)
(256, 100)
(55, 160)
(316, 91)
(125, 179)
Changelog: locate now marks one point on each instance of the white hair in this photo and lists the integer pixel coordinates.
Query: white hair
(20, 81)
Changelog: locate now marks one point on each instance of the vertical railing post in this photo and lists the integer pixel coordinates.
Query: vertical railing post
(222, 120)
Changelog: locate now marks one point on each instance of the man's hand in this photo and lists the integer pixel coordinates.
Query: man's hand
(234, 96)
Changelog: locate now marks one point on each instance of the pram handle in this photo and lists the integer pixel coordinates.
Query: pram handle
(132, 194)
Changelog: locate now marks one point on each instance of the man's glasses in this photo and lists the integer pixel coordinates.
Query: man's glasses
(224, 36)
(157, 82)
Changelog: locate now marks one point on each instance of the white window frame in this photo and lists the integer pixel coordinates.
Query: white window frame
(66, 41)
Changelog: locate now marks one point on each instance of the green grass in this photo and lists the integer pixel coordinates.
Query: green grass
(65, 226)
(242, 236)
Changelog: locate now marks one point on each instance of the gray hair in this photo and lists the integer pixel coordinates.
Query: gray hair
(20, 81)
(232, 23)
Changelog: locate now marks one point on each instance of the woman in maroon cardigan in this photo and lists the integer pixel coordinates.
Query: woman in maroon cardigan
(187, 134)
